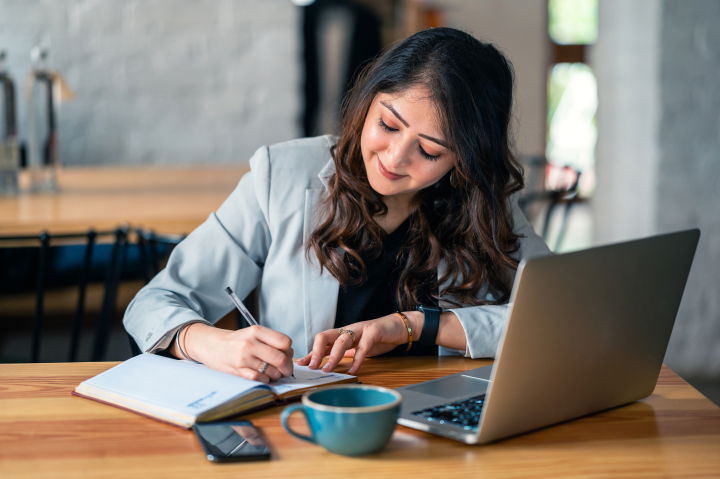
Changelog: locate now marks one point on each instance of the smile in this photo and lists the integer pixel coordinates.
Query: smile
(387, 174)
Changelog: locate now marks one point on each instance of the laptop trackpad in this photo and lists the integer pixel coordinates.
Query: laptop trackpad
(452, 386)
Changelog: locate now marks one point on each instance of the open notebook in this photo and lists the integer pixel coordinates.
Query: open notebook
(183, 392)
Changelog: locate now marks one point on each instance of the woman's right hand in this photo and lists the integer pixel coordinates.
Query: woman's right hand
(243, 352)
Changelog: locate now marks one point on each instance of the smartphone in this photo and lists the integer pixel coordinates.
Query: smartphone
(232, 441)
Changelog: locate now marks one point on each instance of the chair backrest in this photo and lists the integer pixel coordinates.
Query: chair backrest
(43, 261)
(154, 249)
(556, 189)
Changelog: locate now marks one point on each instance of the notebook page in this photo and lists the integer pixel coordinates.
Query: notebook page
(306, 378)
(183, 386)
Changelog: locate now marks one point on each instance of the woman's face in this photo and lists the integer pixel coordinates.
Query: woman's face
(403, 147)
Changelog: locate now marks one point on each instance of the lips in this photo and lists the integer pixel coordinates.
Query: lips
(387, 174)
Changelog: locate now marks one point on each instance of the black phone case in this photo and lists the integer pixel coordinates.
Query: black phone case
(211, 454)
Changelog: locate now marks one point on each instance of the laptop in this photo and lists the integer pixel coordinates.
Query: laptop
(587, 331)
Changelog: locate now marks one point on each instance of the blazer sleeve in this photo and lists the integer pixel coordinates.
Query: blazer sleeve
(228, 249)
(484, 325)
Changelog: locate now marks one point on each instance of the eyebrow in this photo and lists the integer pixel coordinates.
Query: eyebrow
(402, 120)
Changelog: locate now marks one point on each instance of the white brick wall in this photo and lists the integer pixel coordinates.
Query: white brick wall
(164, 81)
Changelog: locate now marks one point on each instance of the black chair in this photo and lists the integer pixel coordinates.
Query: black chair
(544, 203)
(153, 249)
(38, 263)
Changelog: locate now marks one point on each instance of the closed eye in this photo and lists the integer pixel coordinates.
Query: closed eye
(428, 155)
(390, 129)
(385, 126)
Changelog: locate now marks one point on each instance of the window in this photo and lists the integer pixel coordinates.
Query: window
(571, 121)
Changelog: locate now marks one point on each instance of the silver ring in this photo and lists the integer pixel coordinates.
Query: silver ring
(263, 367)
(349, 332)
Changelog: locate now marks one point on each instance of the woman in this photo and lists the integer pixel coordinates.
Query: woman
(343, 237)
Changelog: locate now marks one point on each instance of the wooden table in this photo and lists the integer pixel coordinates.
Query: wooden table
(167, 199)
(46, 432)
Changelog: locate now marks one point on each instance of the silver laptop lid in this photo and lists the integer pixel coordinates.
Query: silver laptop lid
(587, 331)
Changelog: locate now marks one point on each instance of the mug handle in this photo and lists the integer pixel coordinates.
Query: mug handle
(286, 415)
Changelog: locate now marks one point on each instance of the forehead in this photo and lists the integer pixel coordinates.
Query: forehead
(416, 94)
(416, 105)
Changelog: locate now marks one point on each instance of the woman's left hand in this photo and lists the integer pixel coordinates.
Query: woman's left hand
(366, 338)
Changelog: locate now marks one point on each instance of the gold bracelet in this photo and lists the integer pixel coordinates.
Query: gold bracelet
(406, 322)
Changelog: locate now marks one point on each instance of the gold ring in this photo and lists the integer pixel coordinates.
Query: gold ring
(347, 331)
(263, 367)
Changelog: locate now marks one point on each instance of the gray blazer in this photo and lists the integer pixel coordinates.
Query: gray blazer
(256, 239)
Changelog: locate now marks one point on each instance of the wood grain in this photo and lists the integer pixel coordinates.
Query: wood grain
(46, 432)
(169, 200)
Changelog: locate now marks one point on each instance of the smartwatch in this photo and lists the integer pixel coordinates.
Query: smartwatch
(430, 326)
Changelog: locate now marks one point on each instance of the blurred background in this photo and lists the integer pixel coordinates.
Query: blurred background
(616, 120)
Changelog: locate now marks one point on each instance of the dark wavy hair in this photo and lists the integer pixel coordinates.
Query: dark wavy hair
(460, 236)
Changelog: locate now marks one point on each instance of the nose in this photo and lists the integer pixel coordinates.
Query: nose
(398, 154)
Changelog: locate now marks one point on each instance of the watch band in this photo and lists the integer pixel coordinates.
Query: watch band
(428, 337)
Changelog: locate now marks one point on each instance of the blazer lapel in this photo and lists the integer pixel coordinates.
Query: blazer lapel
(320, 290)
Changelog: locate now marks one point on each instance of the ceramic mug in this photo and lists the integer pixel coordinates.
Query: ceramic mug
(352, 420)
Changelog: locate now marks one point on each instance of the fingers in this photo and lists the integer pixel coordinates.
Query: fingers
(274, 348)
(331, 343)
(272, 338)
(264, 372)
(273, 373)
(253, 375)
(244, 352)
(366, 342)
(277, 360)
(359, 341)
(341, 344)
(321, 345)
(360, 354)
(305, 360)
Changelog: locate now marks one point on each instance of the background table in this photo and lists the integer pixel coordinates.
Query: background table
(169, 200)
(46, 432)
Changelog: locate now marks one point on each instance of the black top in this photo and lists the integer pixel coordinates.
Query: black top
(375, 297)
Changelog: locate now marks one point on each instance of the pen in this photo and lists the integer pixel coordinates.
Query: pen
(243, 310)
(241, 307)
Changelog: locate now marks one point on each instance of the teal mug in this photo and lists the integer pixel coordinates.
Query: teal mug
(351, 419)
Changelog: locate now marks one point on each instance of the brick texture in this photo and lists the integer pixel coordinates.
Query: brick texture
(163, 81)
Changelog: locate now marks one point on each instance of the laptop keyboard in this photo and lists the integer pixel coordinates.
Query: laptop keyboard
(465, 413)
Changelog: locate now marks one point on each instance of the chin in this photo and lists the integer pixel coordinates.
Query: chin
(384, 189)
(380, 188)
